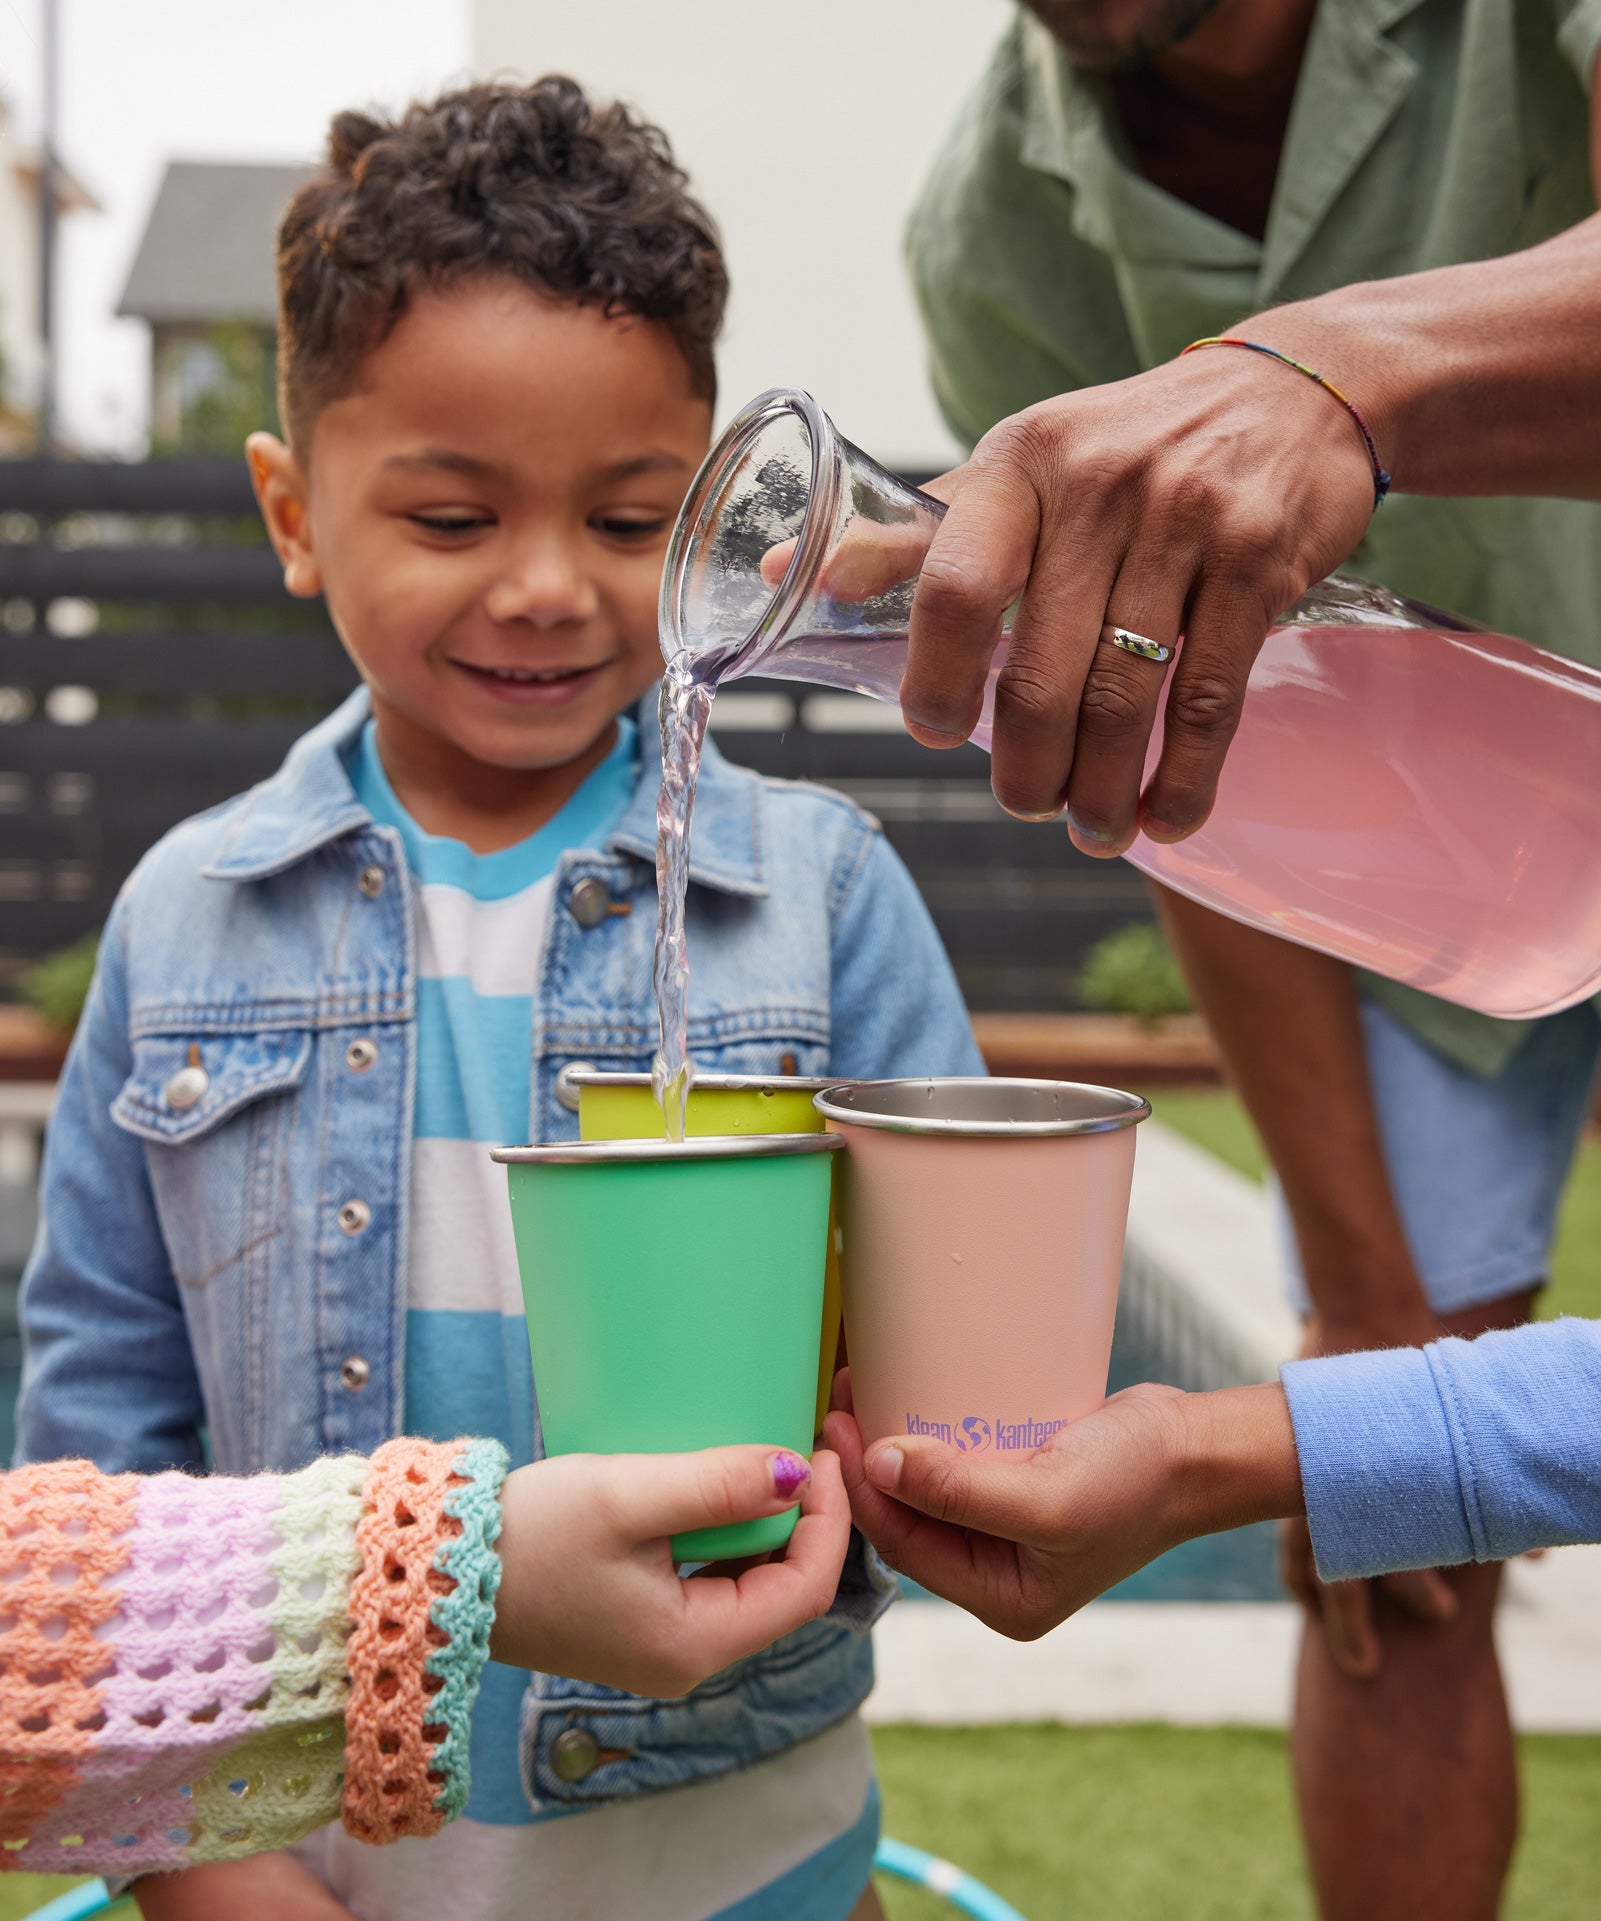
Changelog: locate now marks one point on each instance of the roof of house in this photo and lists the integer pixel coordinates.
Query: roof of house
(72, 196)
(207, 249)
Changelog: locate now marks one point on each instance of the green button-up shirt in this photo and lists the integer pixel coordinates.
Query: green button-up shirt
(1424, 132)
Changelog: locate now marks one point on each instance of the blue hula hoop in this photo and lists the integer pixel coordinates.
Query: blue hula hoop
(944, 1879)
(91, 1898)
(906, 1863)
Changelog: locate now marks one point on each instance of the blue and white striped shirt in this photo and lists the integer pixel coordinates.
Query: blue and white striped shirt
(790, 1838)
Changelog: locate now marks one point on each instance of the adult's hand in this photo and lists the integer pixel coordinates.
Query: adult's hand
(1200, 499)
(1023, 1544)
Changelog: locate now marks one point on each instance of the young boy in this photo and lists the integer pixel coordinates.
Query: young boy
(270, 1211)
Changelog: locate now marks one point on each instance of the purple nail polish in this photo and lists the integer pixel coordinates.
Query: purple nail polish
(790, 1474)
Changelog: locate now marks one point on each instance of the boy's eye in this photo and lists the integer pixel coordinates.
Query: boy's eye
(450, 523)
(622, 528)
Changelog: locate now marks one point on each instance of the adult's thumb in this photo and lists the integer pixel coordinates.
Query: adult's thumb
(1005, 1498)
(655, 1494)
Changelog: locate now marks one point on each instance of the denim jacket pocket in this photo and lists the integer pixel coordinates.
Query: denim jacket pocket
(217, 1129)
(583, 1745)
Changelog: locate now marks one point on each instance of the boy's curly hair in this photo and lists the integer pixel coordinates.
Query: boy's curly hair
(581, 202)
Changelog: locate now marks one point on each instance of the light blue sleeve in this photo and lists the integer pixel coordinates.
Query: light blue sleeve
(1459, 1451)
(894, 1006)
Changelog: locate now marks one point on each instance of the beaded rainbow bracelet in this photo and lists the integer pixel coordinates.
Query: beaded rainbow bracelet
(1381, 479)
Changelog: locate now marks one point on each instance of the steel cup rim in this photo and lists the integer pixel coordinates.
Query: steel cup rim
(708, 1083)
(701, 1147)
(1111, 1108)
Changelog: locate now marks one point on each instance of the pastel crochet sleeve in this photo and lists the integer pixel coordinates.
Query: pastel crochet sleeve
(197, 1669)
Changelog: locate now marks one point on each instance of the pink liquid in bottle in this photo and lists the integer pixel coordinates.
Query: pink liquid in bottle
(1405, 790)
(1422, 802)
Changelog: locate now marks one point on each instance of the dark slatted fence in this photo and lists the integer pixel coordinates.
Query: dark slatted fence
(151, 665)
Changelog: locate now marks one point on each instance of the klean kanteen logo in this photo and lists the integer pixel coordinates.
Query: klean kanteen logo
(972, 1433)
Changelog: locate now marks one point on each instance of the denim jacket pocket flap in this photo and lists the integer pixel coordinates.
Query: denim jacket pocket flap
(180, 1089)
(582, 1745)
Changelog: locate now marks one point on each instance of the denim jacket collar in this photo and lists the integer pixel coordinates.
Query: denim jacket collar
(310, 802)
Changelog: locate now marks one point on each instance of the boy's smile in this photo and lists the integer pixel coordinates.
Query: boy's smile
(487, 512)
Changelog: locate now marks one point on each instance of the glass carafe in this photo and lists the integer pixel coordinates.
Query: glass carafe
(1406, 790)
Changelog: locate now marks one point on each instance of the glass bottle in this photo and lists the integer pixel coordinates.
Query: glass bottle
(1406, 791)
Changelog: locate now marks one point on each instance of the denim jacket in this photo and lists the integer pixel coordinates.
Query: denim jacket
(225, 1186)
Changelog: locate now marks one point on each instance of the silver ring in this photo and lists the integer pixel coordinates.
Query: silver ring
(1136, 644)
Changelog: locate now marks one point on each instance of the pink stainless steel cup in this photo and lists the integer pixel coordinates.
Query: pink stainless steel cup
(983, 1225)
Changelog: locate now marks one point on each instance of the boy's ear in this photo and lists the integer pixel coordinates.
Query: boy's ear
(280, 486)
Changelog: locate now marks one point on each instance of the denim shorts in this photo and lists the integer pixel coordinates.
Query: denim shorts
(1477, 1165)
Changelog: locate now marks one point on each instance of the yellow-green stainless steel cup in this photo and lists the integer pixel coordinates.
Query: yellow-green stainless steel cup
(622, 1107)
(673, 1291)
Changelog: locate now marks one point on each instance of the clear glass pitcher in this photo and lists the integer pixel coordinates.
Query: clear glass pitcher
(1406, 790)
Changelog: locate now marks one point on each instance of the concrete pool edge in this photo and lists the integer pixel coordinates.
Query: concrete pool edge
(1211, 1663)
(1203, 1280)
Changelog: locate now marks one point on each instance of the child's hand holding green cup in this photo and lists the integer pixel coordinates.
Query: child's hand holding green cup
(674, 1294)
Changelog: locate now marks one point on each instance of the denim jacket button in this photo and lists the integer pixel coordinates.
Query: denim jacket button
(186, 1087)
(371, 881)
(573, 1754)
(590, 902)
(360, 1055)
(354, 1216)
(566, 1093)
(355, 1373)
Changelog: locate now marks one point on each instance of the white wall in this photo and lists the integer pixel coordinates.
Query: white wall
(806, 130)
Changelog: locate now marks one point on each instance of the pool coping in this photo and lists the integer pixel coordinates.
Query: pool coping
(1212, 1663)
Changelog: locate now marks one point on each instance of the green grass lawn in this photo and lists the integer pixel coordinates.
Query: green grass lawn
(21, 1894)
(1152, 1823)
(1214, 1119)
(1178, 1824)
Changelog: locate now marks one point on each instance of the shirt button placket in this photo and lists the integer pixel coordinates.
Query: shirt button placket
(361, 1314)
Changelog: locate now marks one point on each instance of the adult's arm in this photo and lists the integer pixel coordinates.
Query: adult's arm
(1468, 1450)
(1205, 496)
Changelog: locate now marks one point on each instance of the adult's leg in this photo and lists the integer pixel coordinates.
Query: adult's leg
(1407, 1782)
(1421, 1195)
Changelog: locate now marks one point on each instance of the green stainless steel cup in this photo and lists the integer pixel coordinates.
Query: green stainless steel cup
(673, 1293)
(618, 1107)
